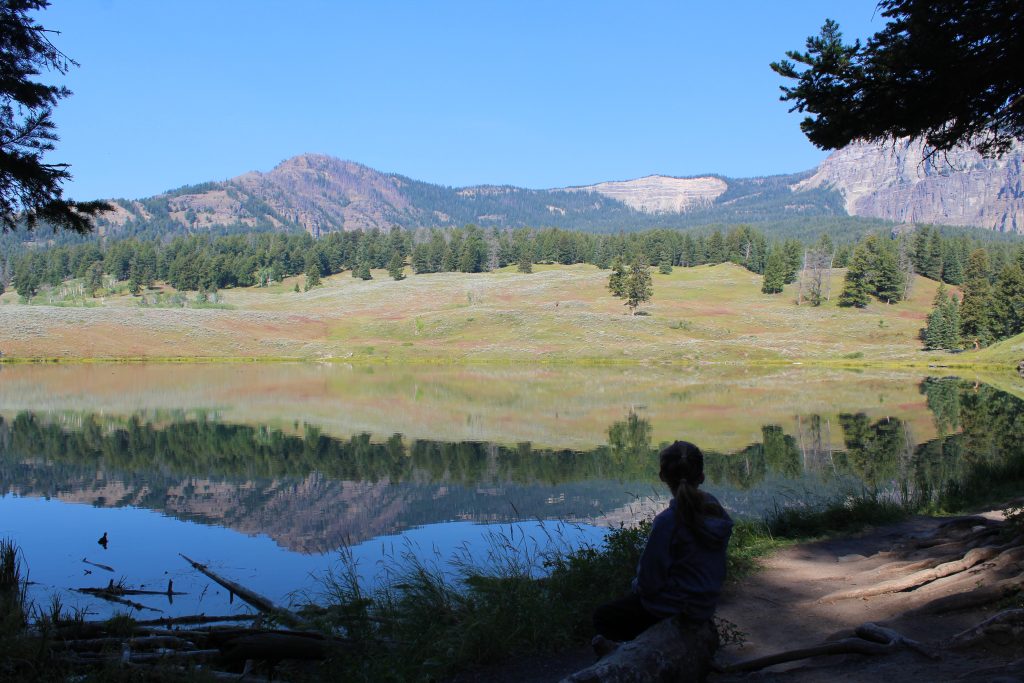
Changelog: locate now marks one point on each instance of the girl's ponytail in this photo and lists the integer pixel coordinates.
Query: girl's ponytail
(682, 468)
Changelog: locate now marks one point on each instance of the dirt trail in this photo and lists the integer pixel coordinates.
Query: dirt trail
(780, 608)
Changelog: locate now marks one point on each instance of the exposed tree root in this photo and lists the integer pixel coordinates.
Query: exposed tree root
(871, 640)
(979, 597)
(1002, 629)
(972, 558)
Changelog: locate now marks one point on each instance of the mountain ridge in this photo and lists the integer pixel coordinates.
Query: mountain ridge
(319, 193)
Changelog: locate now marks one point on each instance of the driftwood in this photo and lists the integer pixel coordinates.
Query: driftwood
(105, 567)
(274, 647)
(113, 597)
(196, 619)
(871, 639)
(261, 603)
(145, 642)
(673, 649)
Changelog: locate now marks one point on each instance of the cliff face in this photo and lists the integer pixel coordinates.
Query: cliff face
(661, 194)
(894, 181)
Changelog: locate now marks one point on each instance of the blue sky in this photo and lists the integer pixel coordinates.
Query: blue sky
(536, 94)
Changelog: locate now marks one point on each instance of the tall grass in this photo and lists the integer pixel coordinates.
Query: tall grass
(13, 605)
(432, 617)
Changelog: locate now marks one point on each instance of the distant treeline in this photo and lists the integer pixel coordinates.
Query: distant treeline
(985, 423)
(212, 262)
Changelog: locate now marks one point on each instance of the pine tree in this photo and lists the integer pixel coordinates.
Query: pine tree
(396, 266)
(362, 271)
(420, 258)
(312, 275)
(94, 278)
(525, 263)
(933, 259)
(793, 251)
(617, 279)
(665, 263)
(936, 332)
(952, 266)
(888, 279)
(638, 285)
(951, 340)
(856, 284)
(1008, 302)
(975, 309)
(135, 277)
(774, 272)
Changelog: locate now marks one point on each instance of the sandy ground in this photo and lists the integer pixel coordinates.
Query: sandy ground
(780, 608)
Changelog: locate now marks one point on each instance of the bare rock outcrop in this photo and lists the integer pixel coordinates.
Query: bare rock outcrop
(897, 181)
(661, 194)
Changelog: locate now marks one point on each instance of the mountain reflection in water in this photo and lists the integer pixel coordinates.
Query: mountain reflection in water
(313, 493)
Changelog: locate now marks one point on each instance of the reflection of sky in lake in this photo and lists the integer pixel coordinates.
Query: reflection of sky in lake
(55, 537)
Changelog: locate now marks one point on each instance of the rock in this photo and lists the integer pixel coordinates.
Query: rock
(893, 181)
(850, 558)
(661, 194)
(673, 650)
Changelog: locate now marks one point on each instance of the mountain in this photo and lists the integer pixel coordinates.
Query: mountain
(319, 194)
(901, 183)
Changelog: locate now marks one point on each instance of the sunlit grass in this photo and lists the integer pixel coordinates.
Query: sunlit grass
(558, 314)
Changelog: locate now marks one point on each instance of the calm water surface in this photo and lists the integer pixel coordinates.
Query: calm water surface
(265, 471)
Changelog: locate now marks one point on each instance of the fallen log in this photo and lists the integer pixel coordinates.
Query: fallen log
(674, 649)
(258, 601)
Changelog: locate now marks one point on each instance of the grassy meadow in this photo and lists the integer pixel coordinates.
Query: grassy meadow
(707, 314)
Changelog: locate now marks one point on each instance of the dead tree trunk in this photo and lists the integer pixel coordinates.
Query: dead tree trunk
(673, 650)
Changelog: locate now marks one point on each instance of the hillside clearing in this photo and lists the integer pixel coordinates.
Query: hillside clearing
(707, 314)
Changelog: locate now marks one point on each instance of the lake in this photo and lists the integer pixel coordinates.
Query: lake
(267, 471)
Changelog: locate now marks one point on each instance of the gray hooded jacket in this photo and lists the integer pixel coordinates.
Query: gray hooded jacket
(681, 572)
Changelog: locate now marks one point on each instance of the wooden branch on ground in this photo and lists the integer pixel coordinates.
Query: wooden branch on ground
(261, 603)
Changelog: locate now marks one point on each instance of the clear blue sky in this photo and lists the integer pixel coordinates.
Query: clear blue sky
(536, 94)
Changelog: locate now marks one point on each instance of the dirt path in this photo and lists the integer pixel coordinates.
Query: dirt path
(780, 608)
